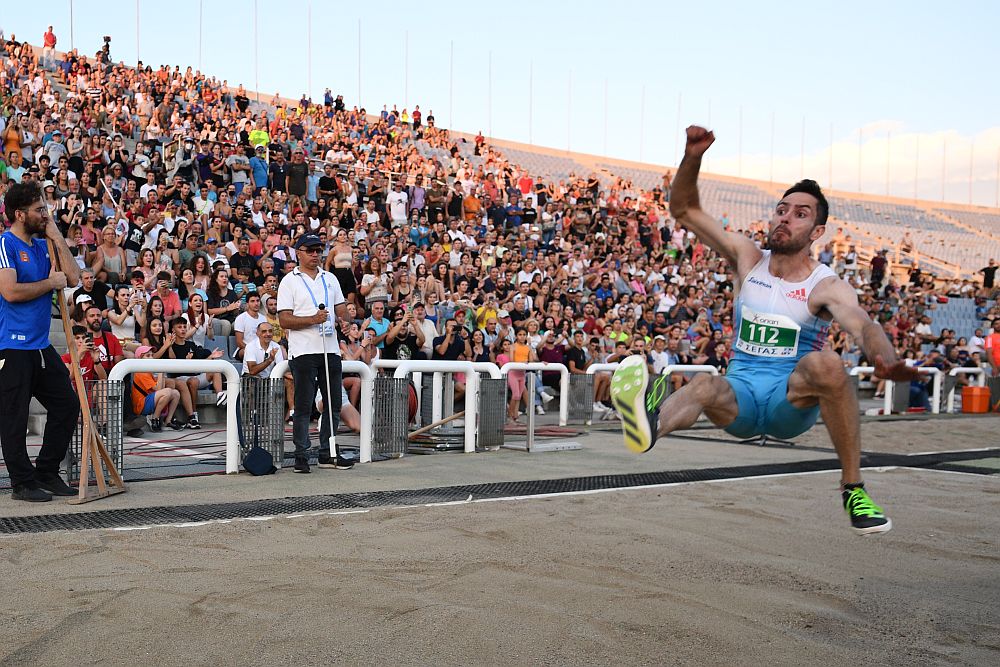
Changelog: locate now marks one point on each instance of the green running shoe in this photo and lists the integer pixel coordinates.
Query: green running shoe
(866, 516)
(638, 401)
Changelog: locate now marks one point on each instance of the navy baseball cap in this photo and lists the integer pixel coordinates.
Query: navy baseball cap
(307, 241)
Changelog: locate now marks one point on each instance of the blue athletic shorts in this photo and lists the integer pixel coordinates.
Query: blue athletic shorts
(150, 404)
(761, 395)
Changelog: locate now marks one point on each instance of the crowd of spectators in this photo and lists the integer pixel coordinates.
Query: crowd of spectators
(182, 199)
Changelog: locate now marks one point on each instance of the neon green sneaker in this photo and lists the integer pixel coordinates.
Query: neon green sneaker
(866, 516)
(638, 402)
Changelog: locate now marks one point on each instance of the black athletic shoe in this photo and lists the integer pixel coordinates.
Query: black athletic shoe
(31, 494)
(638, 402)
(326, 461)
(176, 424)
(866, 516)
(193, 424)
(155, 425)
(55, 485)
(302, 466)
(343, 463)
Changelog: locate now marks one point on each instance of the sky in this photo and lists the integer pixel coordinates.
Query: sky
(886, 97)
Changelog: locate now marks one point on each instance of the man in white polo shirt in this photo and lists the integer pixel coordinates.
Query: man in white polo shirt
(304, 298)
(260, 356)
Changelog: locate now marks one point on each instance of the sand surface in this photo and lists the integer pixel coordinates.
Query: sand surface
(750, 572)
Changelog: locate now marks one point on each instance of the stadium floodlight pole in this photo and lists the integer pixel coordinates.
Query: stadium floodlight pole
(770, 177)
(451, 85)
(359, 63)
(972, 152)
(309, 49)
(802, 150)
(489, 94)
(531, 94)
(642, 120)
(888, 159)
(677, 128)
(605, 116)
(859, 159)
(137, 52)
(739, 146)
(569, 109)
(829, 174)
(256, 69)
(944, 161)
(201, 13)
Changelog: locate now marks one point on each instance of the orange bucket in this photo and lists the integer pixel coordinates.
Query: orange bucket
(975, 400)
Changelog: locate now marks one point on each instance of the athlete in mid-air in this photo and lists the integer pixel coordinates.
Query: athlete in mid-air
(781, 378)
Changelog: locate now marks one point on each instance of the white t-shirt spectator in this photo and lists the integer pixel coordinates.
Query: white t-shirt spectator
(254, 353)
(397, 206)
(247, 325)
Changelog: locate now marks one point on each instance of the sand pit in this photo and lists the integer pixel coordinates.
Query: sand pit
(761, 571)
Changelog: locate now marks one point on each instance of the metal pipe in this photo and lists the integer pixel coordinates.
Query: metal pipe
(471, 389)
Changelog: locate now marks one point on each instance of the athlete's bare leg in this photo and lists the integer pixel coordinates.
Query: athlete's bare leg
(819, 377)
(709, 394)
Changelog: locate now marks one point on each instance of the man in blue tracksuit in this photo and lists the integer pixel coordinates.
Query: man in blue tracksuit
(29, 365)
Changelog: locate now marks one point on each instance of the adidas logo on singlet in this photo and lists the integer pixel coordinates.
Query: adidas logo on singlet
(798, 294)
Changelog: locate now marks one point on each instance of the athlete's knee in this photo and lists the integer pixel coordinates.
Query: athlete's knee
(823, 369)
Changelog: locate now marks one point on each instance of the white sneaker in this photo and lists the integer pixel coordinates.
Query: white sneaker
(546, 397)
(539, 410)
(599, 407)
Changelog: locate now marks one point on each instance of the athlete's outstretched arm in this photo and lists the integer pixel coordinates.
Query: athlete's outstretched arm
(841, 301)
(685, 207)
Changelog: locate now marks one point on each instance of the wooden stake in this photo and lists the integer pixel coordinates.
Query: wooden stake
(442, 422)
(94, 451)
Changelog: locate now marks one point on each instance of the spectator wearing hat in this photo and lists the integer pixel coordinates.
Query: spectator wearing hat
(305, 296)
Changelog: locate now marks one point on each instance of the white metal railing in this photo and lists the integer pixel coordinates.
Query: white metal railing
(890, 386)
(980, 374)
(439, 367)
(367, 402)
(545, 366)
(194, 367)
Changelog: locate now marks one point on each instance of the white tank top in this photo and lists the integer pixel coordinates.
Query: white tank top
(773, 324)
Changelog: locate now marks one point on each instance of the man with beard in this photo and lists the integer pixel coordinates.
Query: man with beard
(29, 365)
(781, 378)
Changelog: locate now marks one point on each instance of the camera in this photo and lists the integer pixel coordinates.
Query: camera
(107, 39)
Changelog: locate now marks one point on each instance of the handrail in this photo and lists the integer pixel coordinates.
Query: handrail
(367, 400)
(545, 366)
(955, 372)
(194, 367)
(471, 389)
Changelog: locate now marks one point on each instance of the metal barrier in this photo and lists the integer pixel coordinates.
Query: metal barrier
(543, 366)
(390, 402)
(107, 412)
(262, 415)
(597, 368)
(471, 390)
(980, 373)
(492, 411)
(365, 371)
(581, 398)
(194, 367)
(890, 386)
